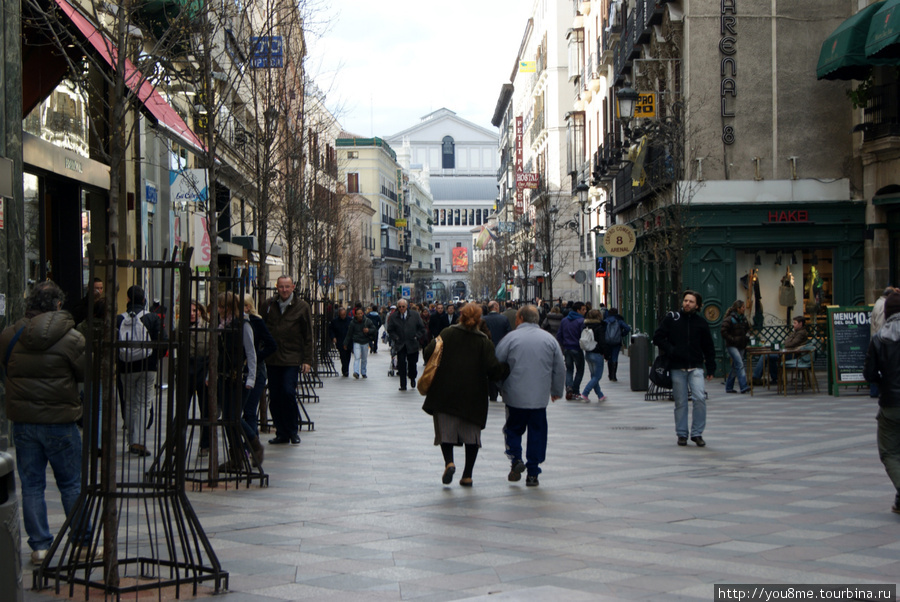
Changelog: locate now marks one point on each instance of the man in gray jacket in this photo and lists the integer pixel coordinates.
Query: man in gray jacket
(537, 374)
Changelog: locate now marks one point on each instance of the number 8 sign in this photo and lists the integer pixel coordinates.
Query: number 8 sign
(619, 240)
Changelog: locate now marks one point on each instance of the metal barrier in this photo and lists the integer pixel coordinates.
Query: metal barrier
(133, 528)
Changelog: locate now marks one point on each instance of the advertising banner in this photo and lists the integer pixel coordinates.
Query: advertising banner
(460, 261)
(200, 241)
(189, 185)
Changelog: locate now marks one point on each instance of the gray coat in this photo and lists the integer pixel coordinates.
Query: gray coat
(536, 367)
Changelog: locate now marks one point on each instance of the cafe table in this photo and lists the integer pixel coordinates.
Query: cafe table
(763, 352)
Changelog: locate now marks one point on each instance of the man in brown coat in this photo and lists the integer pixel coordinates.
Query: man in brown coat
(289, 320)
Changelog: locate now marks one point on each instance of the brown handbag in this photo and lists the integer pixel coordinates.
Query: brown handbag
(424, 382)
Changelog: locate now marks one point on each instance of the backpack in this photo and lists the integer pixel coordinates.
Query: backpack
(614, 333)
(133, 328)
(586, 340)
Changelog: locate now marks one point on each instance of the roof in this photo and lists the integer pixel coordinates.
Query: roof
(464, 188)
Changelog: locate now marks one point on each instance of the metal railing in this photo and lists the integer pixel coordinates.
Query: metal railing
(882, 112)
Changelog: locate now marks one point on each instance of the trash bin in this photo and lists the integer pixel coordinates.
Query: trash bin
(10, 540)
(639, 362)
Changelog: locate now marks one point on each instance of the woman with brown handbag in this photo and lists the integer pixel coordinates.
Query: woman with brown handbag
(458, 396)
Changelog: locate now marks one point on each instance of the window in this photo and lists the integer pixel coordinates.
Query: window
(574, 142)
(437, 245)
(448, 153)
(352, 182)
(353, 154)
(437, 265)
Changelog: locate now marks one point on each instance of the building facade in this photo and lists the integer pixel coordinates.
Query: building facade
(461, 159)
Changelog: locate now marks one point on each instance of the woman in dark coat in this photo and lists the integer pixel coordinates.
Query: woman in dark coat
(458, 397)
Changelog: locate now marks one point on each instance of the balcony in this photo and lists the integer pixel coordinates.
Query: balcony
(389, 221)
(882, 113)
(537, 127)
(393, 253)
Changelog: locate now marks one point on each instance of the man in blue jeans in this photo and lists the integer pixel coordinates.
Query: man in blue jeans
(569, 332)
(685, 338)
(43, 357)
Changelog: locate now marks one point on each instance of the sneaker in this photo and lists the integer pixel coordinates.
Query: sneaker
(699, 441)
(138, 450)
(747, 390)
(531, 480)
(85, 554)
(602, 399)
(569, 396)
(730, 391)
(364, 376)
(515, 473)
(583, 397)
(682, 441)
(37, 557)
(356, 375)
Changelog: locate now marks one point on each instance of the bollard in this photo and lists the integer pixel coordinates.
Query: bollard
(639, 362)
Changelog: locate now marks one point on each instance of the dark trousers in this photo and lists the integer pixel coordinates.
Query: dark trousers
(283, 399)
(406, 365)
(518, 420)
(345, 354)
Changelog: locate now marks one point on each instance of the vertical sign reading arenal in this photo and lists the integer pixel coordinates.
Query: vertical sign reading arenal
(520, 132)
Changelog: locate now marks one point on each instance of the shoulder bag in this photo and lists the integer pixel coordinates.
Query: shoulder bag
(424, 382)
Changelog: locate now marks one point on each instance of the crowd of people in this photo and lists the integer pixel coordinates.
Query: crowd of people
(530, 355)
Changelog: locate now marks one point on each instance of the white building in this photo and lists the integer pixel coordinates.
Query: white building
(461, 158)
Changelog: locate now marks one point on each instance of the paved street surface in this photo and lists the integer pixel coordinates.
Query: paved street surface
(788, 490)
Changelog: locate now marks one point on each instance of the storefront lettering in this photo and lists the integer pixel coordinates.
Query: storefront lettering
(74, 165)
(797, 215)
(728, 67)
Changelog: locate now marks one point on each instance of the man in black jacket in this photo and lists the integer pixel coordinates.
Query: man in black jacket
(405, 329)
(438, 321)
(338, 328)
(685, 338)
(883, 368)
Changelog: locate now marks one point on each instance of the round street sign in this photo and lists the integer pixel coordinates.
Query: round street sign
(619, 240)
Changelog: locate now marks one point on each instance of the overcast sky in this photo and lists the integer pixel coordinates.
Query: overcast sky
(386, 63)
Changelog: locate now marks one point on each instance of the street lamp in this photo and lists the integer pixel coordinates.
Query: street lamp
(627, 98)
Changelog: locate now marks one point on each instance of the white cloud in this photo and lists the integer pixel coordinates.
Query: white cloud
(393, 61)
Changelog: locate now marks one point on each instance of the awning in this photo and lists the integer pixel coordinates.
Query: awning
(889, 199)
(883, 41)
(843, 54)
(162, 112)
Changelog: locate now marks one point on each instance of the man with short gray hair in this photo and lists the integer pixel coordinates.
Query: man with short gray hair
(537, 375)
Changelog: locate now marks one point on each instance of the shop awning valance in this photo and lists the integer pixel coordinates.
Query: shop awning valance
(887, 199)
(883, 41)
(843, 54)
(156, 106)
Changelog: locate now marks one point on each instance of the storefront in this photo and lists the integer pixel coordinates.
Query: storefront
(66, 199)
(783, 259)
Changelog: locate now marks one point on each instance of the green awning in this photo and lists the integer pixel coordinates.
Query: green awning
(890, 199)
(843, 54)
(883, 41)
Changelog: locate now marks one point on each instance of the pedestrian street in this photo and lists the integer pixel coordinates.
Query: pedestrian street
(788, 490)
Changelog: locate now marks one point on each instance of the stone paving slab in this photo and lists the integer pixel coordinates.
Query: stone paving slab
(788, 490)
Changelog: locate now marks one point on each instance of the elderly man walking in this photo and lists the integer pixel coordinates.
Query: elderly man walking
(289, 320)
(405, 329)
(537, 374)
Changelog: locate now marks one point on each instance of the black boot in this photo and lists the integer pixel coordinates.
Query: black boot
(613, 366)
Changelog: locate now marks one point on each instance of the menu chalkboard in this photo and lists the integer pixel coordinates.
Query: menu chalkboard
(848, 336)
